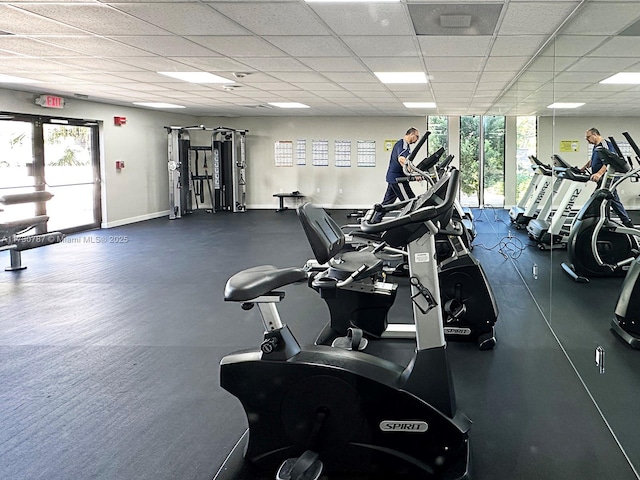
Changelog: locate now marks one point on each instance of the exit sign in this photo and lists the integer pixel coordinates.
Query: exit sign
(50, 101)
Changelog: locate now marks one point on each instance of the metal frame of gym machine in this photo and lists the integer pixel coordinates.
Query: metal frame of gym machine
(228, 173)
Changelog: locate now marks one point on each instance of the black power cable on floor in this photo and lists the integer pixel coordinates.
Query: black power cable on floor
(509, 246)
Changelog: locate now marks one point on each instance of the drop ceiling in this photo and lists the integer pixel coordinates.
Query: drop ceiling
(482, 57)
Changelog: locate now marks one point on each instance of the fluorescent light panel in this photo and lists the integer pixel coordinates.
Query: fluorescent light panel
(630, 78)
(401, 77)
(419, 104)
(197, 77)
(158, 105)
(12, 79)
(289, 105)
(565, 105)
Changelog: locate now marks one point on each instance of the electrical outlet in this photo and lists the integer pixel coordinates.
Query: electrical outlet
(318, 190)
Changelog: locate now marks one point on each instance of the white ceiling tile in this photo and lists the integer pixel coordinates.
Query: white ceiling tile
(211, 64)
(524, 18)
(603, 20)
(576, 45)
(170, 46)
(184, 19)
(237, 46)
(154, 63)
(94, 18)
(439, 88)
(363, 87)
(619, 47)
(318, 87)
(273, 18)
(275, 86)
(580, 76)
(306, 77)
(333, 64)
(461, 46)
(505, 64)
(440, 77)
(146, 77)
(32, 64)
(276, 64)
(355, 77)
(364, 19)
(366, 46)
(16, 21)
(309, 46)
(34, 48)
(99, 64)
(610, 64)
(453, 64)
(98, 78)
(517, 45)
(97, 46)
(393, 64)
(489, 84)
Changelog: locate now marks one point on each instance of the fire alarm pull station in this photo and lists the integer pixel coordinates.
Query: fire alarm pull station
(119, 165)
(119, 121)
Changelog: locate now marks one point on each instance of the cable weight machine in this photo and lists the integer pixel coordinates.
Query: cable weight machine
(222, 183)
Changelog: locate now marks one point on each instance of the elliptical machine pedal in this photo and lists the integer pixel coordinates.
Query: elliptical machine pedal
(305, 467)
(353, 341)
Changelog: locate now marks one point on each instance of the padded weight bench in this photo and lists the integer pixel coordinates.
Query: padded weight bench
(12, 233)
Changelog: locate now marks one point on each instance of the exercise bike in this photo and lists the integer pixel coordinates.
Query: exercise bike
(597, 245)
(340, 413)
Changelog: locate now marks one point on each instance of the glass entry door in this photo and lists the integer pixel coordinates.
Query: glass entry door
(59, 156)
(69, 169)
(16, 157)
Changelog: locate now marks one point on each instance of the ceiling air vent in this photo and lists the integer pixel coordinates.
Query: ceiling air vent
(454, 19)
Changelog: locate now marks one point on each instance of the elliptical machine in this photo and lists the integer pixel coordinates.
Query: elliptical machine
(597, 245)
(342, 413)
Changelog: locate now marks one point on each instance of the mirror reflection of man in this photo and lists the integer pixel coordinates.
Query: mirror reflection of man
(598, 169)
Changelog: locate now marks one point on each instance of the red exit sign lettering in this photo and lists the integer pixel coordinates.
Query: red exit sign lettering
(50, 101)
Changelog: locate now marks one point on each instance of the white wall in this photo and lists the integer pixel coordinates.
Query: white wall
(139, 191)
(342, 187)
(554, 130)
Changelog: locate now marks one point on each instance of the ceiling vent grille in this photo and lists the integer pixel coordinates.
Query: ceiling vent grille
(454, 19)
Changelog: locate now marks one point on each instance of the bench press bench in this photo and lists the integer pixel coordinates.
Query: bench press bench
(12, 232)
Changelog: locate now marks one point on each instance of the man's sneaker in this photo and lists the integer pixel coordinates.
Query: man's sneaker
(628, 223)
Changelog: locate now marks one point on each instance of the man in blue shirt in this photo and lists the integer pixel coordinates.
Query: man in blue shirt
(399, 154)
(598, 169)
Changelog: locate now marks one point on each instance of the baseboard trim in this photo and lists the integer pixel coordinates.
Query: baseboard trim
(140, 218)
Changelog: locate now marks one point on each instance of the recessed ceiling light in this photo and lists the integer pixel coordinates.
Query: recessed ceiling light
(420, 104)
(401, 77)
(289, 105)
(197, 77)
(565, 105)
(158, 105)
(624, 77)
(12, 79)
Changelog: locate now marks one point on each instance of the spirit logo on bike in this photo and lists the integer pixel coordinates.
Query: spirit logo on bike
(412, 426)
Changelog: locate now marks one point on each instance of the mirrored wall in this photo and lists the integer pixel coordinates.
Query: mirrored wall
(572, 88)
